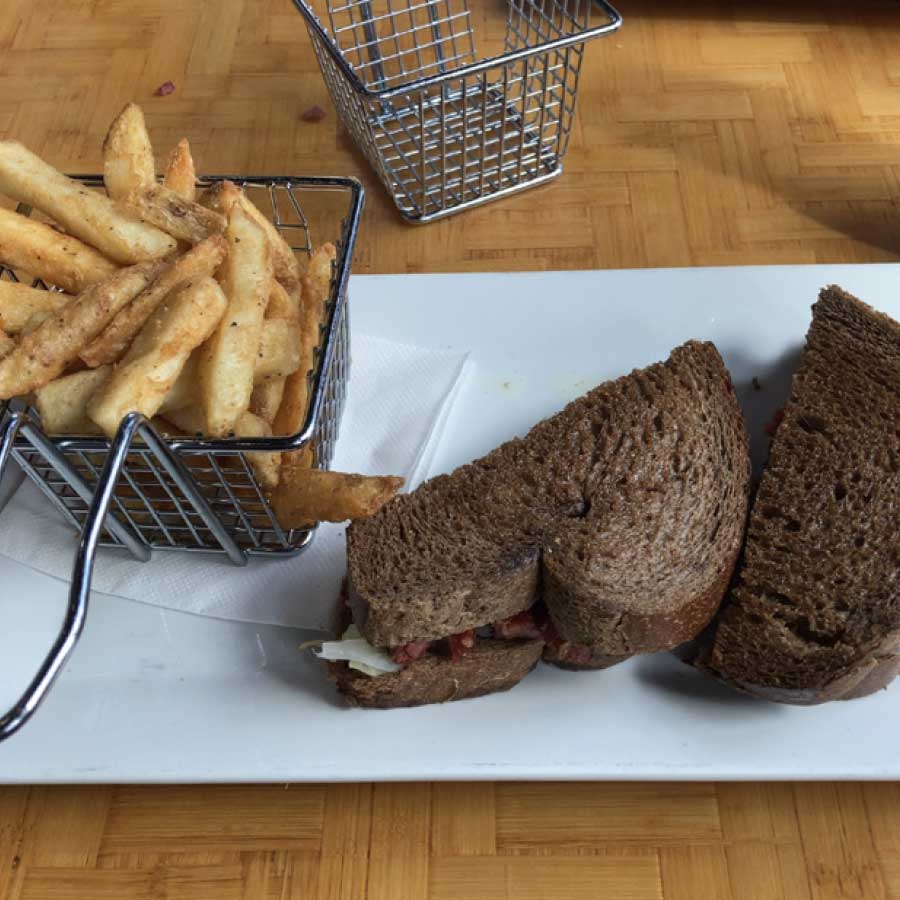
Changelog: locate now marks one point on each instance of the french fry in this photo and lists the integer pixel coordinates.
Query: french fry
(168, 210)
(278, 355)
(82, 212)
(23, 308)
(316, 286)
(308, 496)
(282, 305)
(317, 280)
(151, 366)
(264, 464)
(223, 195)
(180, 175)
(279, 350)
(189, 420)
(291, 415)
(62, 404)
(228, 358)
(199, 262)
(266, 398)
(6, 344)
(185, 392)
(43, 252)
(43, 354)
(127, 154)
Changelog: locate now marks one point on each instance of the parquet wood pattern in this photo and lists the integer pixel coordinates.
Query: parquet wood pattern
(708, 133)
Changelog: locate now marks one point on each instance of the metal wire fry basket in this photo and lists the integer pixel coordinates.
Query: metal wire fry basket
(143, 491)
(443, 129)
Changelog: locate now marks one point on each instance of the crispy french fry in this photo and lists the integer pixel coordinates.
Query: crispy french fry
(228, 358)
(295, 397)
(180, 175)
(223, 195)
(165, 427)
(317, 280)
(266, 398)
(316, 286)
(83, 212)
(185, 392)
(43, 354)
(278, 356)
(264, 464)
(62, 404)
(189, 420)
(23, 308)
(308, 496)
(43, 252)
(127, 154)
(282, 305)
(295, 292)
(199, 262)
(168, 210)
(279, 350)
(6, 344)
(151, 366)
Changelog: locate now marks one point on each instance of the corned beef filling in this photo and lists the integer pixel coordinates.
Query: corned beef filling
(528, 625)
(565, 651)
(406, 653)
(521, 626)
(460, 643)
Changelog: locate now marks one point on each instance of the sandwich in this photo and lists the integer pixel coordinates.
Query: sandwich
(610, 529)
(814, 613)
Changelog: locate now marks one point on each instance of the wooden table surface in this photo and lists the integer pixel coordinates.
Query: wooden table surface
(707, 133)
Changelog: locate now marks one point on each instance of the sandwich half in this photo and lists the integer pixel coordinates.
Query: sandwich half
(610, 529)
(814, 614)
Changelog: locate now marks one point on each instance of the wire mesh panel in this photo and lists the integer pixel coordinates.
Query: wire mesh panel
(391, 41)
(152, 498)
(443, 128)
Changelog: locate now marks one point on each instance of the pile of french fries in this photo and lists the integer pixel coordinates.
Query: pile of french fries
(192, 310)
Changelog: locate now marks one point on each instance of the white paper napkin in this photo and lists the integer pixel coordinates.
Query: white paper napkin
(397, 404)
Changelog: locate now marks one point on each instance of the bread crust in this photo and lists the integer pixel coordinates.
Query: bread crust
(510, 588)
(871, 674)
(660, 632)
(488, 667)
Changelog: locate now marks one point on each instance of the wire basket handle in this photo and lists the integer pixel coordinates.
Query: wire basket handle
(134, 425)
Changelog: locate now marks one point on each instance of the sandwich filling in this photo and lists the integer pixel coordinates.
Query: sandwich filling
(531, 624)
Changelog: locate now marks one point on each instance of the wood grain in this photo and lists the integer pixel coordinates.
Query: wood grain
(708, 133)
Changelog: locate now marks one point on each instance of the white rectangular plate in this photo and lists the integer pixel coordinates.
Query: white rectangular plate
(153, 696)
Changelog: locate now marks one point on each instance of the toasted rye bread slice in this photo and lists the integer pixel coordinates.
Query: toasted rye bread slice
(598, 660)
(815, 611)
(487, 668)
(629, 505)
(648, 563)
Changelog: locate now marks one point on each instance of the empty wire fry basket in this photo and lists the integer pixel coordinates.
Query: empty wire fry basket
(445, 128)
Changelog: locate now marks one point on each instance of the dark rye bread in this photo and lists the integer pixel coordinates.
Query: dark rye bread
(487, 668)
(649, 562)
(625, 510)
(814, 614)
